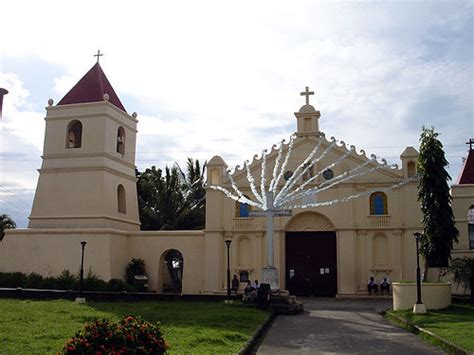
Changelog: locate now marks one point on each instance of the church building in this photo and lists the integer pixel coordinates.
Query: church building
(87, 192)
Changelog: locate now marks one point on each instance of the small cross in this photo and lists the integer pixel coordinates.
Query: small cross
(98, 55)
(307, 93)
(471, 142)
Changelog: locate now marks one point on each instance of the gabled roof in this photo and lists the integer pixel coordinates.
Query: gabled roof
(467, 173)
(91, 88)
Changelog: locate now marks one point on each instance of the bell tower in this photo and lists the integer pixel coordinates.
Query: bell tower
(87, 178)
(307, 117)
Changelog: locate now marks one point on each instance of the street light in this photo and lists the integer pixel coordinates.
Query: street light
(419, 307)
(228, 242)
(81, 280)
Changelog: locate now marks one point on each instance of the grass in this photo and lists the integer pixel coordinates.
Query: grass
(455, 324)
(40, 327)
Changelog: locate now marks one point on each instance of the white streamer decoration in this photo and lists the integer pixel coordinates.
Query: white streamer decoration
(295, 189)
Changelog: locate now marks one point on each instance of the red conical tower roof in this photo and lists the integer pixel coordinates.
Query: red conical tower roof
(467, 173)
(91, 88)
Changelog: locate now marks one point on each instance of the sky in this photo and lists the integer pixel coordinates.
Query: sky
(219, 77)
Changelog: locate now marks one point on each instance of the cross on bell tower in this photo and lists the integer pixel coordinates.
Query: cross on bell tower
(471, 143)
(98, 55)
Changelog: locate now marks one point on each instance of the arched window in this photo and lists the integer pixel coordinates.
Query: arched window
(242, 209)
(121, 203)
(378, 204)
(121, 140)
(74, 134)
(470, 226)
(411, 167)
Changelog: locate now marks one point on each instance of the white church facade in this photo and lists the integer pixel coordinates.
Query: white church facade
(87, 191)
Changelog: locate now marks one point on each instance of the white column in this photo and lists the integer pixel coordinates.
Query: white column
(269, 237)
(270, 272)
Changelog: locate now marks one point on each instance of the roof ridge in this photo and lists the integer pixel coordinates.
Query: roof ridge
(467, 173)
(91, 88)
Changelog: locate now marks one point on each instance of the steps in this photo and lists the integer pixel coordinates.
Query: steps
(282, 303)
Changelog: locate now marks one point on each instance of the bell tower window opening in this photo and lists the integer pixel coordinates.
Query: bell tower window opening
(121, 203)
(378, 204)
(121, 140)
(74, 134)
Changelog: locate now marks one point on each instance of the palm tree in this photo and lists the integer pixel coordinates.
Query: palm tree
(6, 222)
(194, 193)
(463, 273)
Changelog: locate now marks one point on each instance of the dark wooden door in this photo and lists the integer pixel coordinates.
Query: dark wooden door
(311, 263)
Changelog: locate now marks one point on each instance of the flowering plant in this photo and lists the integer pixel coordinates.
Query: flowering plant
(131, 335)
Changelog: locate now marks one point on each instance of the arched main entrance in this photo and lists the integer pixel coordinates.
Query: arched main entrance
(171, 271)
(311, 255)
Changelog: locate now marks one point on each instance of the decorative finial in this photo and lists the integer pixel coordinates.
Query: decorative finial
(307, 93)
(50, 102)
(106, 97)
(134, 115)
(98, 55)
(470, 142)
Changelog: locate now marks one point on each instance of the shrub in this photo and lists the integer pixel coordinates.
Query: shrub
(66, 281)
(128, 336)
(134, 267)
(94, 283)
(50, 283)
(463, 273)
(12, 279)
(34, 280)
(117, 285)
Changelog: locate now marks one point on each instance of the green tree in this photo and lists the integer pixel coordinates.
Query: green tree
(172, 199)
(6, 222)
(193, 182)
(439, 231)
(463, 273)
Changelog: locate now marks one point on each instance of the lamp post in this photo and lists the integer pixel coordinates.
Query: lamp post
(419, 307)
(81, 280)
(228, 242)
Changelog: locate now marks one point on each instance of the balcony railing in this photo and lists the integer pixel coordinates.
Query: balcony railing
(378, 221)
(243, 223)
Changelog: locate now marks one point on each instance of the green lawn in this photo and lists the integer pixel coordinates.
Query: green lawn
(42, 327)
(455, 324)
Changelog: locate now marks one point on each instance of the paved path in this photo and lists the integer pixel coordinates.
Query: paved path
(334, 326)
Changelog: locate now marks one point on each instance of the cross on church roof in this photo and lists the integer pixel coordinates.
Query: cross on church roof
(307, 93)
(471, 142)
(98, 55)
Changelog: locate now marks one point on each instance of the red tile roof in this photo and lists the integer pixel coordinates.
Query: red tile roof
(467, 173)
(91, 88)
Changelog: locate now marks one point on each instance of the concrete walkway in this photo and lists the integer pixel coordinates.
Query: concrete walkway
(335, 326)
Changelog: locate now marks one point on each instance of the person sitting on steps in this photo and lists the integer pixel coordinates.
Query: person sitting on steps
(372, 285)
(248, 289)
(235, 284)
(385, 285)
